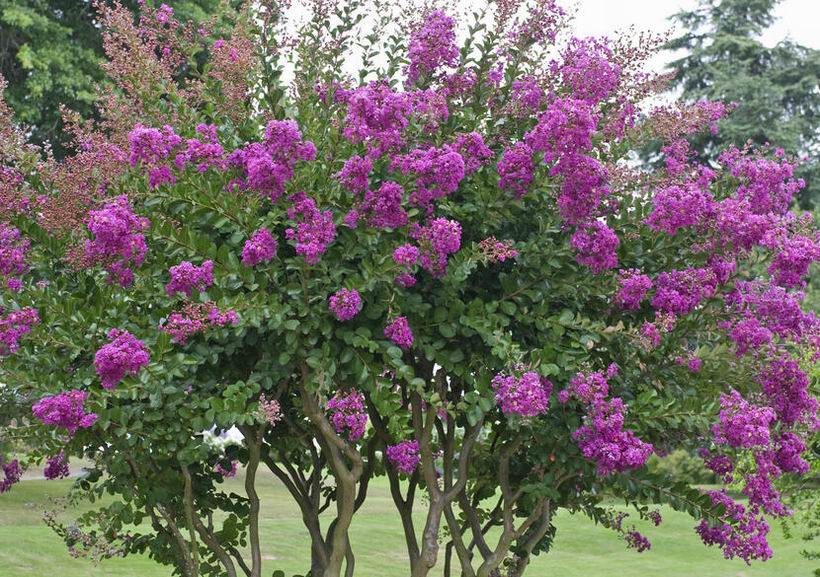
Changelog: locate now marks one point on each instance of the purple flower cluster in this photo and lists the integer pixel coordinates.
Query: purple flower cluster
(123, 355)
(65, 410)
(634, 540)
(376, 115)
(118, 240)
(203, 154)
(382, 207)
(516, 169)
(399, 332)
(680, 291)
(432, 45)
(438, 240)
(12, 472)
(588, 69)
(14, 325)
(787, 392)
(792, 261)
(268, 165)
(13, 256)
(679, 206)
(744, 533)
(564, 129)
(404, 456)
(187, 278)
(526, 396)
(56, 467)
(345, 304)
(227, 473)
(348, 414)
(634, 287)
(261, 247)
(602, 437)
(596, 245)
(473, 151)
(314, 228)
(742, 424)
(354, 173)
(438, 173)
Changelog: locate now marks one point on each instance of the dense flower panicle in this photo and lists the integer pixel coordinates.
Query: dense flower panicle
(516, 169)
(473, 151)
(354, 173)
(742, 424)
(495, 250)
(587, 69)
(203, 153)
(680, 291)
(792, 261)
(633, 288)
(314, 228)
(195, 318)
(744, 537)
(13, 255)
(584, 186)
(603, 440)
(65, 410)
(13, 326)
(399, 332)
(767, 184)
(437, 241)
(634, 540)
(383, 206)
(228, 472)
(12, 473)
(261, 247)
(526, 96)
(377, 115)
(526, 396)
(345, 304)
(404, 456)
(788, 454)
(655, 517)
(679, 206)
(787, 392)
(405, 280)
(348, 414)
(651, 333)
(123, 356)
(406, 255)
(438, 173)
(270, 410)
(152, 146)
(587, 387)
(118, 240)
(187, 278)
(564, 129)
(596, 245)
(269, 165)
(56, 467)
(432, 45)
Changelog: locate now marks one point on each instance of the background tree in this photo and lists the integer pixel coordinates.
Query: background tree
(50, 55)
(776, 89)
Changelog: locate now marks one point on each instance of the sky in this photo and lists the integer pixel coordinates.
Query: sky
(797, 19)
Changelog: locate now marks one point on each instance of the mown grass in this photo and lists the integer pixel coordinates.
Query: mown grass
(30, 549)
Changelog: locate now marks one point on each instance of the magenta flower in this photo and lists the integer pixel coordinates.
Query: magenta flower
(65, 410)
(123, 355)
(399, 332)
(404, 456)
(345, 304)
(261, 247)
(187, 278)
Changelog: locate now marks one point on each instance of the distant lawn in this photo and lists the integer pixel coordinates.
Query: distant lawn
(29, 548)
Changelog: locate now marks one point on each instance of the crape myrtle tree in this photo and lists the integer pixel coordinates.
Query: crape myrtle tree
(443, 269)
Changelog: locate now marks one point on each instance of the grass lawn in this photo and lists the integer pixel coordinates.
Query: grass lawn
(29, 548)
